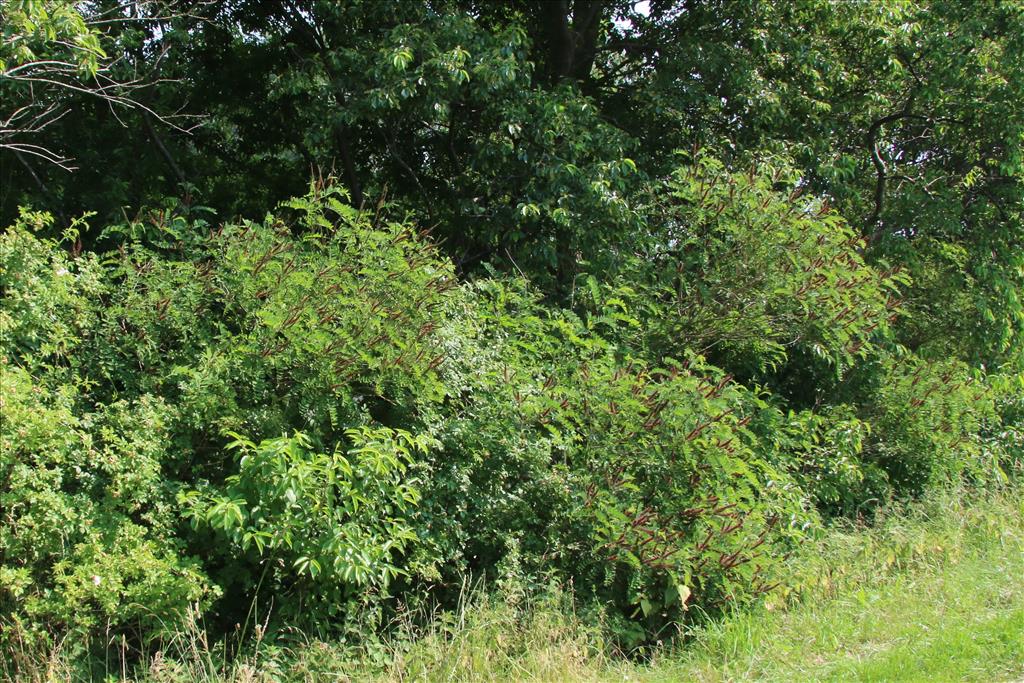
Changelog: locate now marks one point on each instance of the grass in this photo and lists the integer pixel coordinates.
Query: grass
(936, 594)
(930, 593)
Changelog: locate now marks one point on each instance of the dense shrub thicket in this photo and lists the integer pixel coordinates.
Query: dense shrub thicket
(312, 412)
(515, 331)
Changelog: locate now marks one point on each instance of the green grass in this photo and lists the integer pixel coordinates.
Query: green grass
(931, 593)
(937, 596)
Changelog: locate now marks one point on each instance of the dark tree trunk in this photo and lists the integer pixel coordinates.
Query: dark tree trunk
(560, 38)
(586, 25)
(343, 136)
(572, 33)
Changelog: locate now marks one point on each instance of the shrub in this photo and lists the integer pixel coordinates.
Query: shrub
(325, 527)
(928, 418)
(403, 430)
(87, 541)
(744, 266)
(651, 487)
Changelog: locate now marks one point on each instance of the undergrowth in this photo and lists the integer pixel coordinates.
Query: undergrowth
(924, 592)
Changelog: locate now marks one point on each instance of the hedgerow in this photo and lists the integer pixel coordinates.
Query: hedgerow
(314, 412)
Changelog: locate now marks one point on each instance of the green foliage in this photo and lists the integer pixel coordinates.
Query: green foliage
(36, 31)
(88, 529)
(747, 267)
(533, 167)
(328, 523)
(928, 423)
(1007, 437)
(647, 373)
(652, 486)
(147, 354)
(833, 466)
(88, 534)
(47, 300)
(440, 430)
(961, 555)
(256, 330)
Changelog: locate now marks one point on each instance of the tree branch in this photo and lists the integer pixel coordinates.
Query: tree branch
(879, 164)
(164, 152)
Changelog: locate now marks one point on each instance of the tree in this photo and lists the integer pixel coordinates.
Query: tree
(51, 56)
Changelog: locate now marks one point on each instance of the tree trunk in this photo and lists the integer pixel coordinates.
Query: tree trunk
(572, 32)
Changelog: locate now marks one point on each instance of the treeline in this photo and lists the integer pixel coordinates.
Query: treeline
(627, 296)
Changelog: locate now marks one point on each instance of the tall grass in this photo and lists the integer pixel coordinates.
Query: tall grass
(928, 592)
